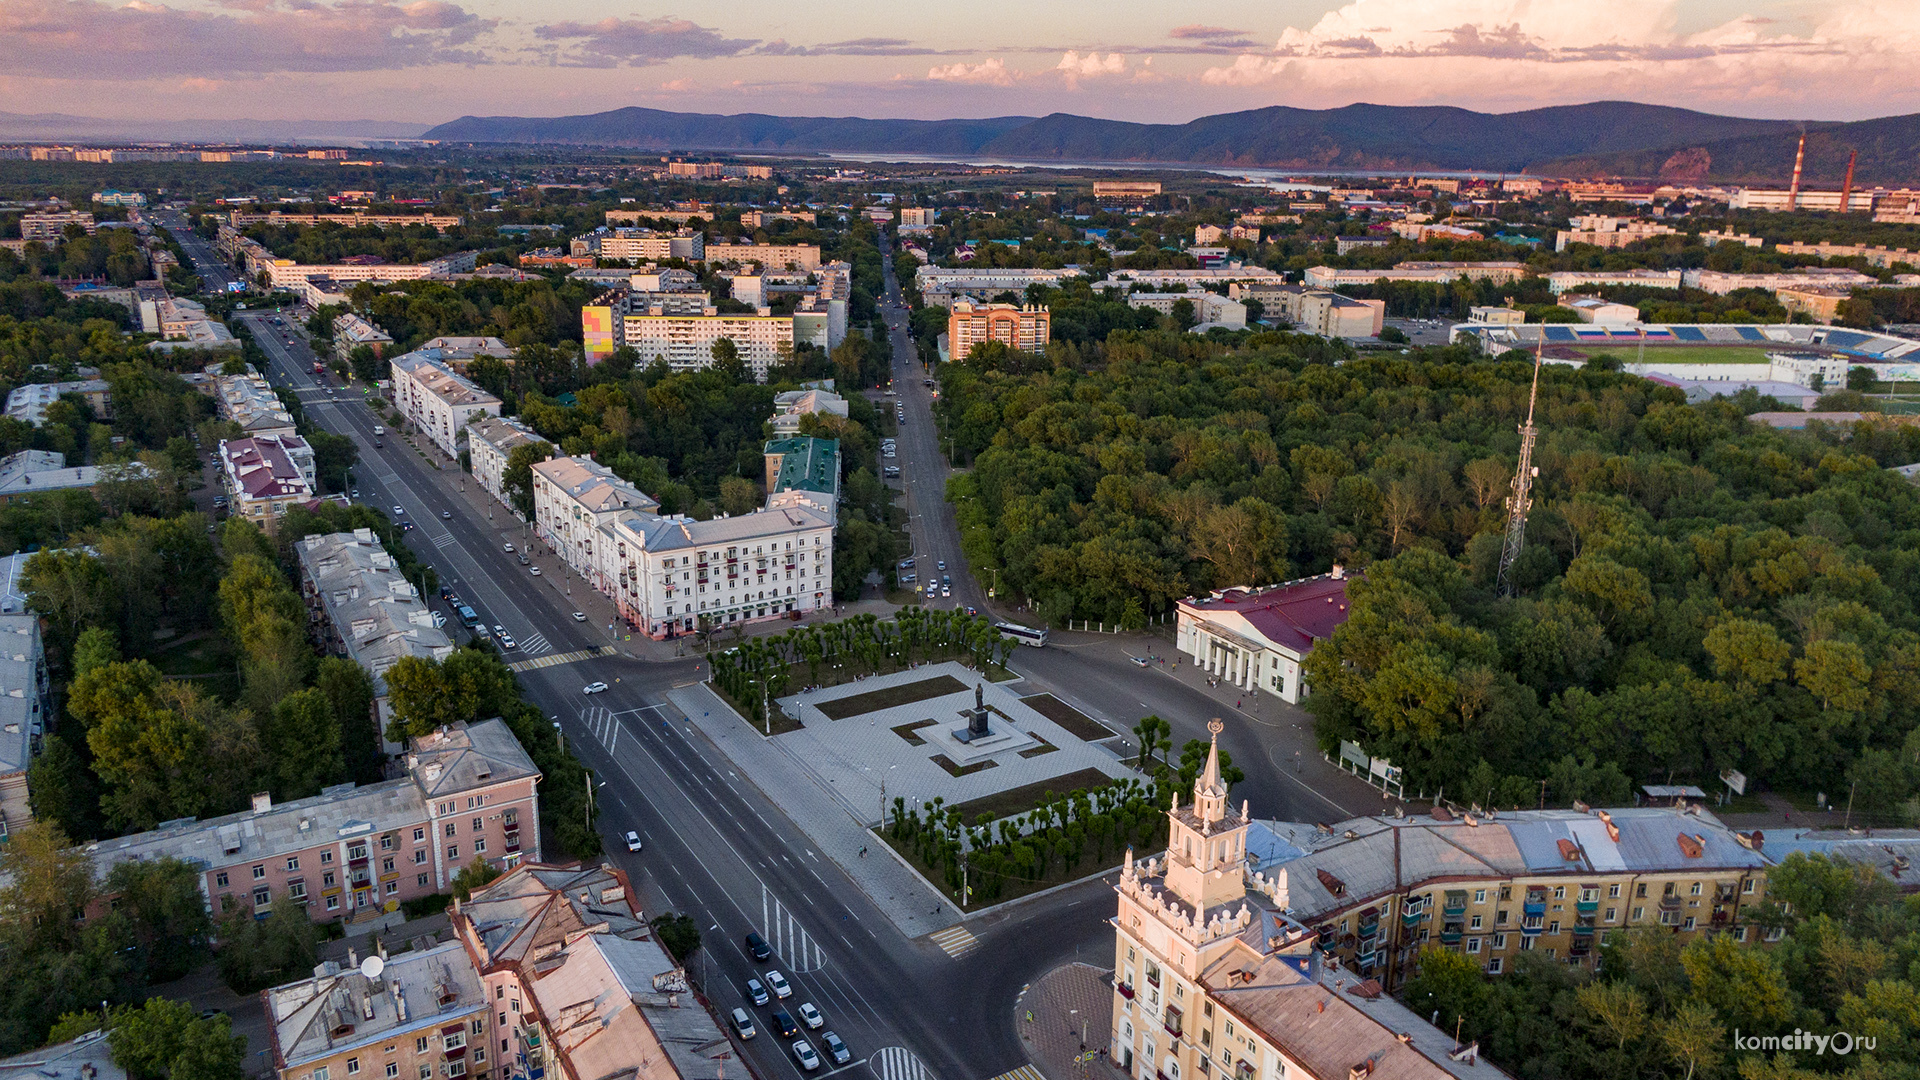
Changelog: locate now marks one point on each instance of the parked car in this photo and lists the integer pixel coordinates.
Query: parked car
(633, 840)
(1139, 661)
(779, 983)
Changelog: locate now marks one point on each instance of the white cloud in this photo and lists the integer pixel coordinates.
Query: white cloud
(990, 72)
(1074, 67)
(1526, 52)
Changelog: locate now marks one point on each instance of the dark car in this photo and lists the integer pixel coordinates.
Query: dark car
(784, 1024)
(758, 948)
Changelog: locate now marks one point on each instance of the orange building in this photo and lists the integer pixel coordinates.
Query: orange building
(1026, 327)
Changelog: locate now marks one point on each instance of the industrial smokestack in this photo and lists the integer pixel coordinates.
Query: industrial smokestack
(1793, 189)
(1846, 190)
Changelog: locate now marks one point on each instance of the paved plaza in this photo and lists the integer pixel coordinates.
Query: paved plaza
(1066, 1012)
(914, 749)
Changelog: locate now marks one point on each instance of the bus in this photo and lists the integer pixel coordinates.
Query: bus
(1025, 635)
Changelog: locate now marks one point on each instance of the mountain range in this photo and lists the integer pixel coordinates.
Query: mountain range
(1616, 138)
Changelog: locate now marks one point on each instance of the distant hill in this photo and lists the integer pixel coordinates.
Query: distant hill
(64, 128)
(1353, 137)
(1889, 150)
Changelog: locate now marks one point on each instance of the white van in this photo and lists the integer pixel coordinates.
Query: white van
(378, 430)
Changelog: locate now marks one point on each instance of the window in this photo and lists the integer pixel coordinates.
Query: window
(296, 890)
(1559, 892)
(327, 879)
(386, 866)
(393, 887)
(320, 1073)
(479, 1054)
(1473, 945)
(419, 856)
(1553, 927)
(1688, 924)
(262, 896)
(353, 1066)
(1493, 965)
(1639, 913)
(326, 858)
(420, 1045)
(478, 1026)
(476, 825)
(455, 1041)
(419, 834)
(1475, 922)
(500, 994)
(449, 827)
(421, 880)
(514, 1004)
(1500, 918)
(1499, 941)
(220, 879)
(393, 1069)
(1479, 896)
(333, 903)
(426, 1072)
(386, 842)
(1611, 912)
(503, 1019)
(1206, 1008)
(259, 871)
(293, 862)
(1747, 886)
(479, 845)
(1526, 944)
(453, 852)
(1613, 892)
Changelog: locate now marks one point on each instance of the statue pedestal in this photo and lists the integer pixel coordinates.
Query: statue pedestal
(963, 747)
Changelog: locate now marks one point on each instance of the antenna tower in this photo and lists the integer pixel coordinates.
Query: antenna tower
(1522, 497)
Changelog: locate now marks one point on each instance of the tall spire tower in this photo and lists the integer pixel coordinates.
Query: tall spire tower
(1207, 842)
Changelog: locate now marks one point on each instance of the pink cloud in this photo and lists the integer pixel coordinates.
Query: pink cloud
(990, 72)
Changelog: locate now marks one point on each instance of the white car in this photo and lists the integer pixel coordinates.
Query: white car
(508, 548)
(803, 1050)
(633, 840)
(779, 985)
(507, 642)
(579, 616)
(811, 1017)
(535, 571)
(594, 688)
(398, 510)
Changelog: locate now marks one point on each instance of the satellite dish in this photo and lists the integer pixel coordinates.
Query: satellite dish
(372, 966)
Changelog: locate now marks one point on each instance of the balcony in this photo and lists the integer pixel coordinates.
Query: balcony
(1531, 927)
(1123, 990)
(1412, 917)
(1671, 902)
(1451, 937)
(1153, 979)
(1533, 907)
(1587, 907)
(1370, 929)
(1583, 928)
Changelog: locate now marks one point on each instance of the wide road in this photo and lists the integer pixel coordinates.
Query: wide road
(715, 847)
(214, 274)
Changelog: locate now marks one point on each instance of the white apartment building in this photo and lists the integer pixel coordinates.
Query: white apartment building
(1599, 230)
(1575, 280)
(1151, 280)
(285, 273)
(1210, 309)
(940, 286)
(1721, 282)
(490, 440)
(438, 402)
(768, 256)
(667, 573)
(686, 342)
(639, 245)
(572, 498)
(1326, 277)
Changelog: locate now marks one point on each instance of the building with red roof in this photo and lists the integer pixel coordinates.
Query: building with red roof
(1257, 639)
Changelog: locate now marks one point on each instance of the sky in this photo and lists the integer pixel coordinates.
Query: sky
(428, 61)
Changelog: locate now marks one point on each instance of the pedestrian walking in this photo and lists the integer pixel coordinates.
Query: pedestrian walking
(863, 853)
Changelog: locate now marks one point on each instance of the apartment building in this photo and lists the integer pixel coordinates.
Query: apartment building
(437, 401)
(26, 473)
(1711, 239)
(1874, 254)
(670, 573)
(1316, 311)
(469, 791)
(1025, 327)
(684, 341)
(760, 219)
(1599, 230)
(767, 256)
(249, 401)
(24, 707)
(1578, 280)
(28, 403)
(1721, 282)
(48, 226)
(642, 245)
(360, 606)
(184, 324)
(940, 286)
(805, 464)
(1345, 244)
(490, 441)
(1491, 885)
(1124, 192)
(572, 498)
(350, 331)
(266, 476)
(240, 219)
(1209, 309)
(421, 1015)
(287, 274)
(1326, 277)
(578, 985)
(790, 405)
(1191, 280)
(1257, 639)
(1213, 970)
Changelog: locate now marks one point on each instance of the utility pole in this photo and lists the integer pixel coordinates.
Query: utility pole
(1522, 497)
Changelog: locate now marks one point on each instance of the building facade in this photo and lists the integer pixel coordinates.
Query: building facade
(1025, 327)
(671, 574)
(469, 792)
(1213, 975)
(360, 606)
(490, 441)
(424, 1016)
(1327, 277)
(1257, 639)
(437, 401)
(572, 498)
(351, 331)
(768, 256)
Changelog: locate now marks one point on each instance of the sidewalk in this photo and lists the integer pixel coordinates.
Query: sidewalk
(1071, 1011)
(896, 890)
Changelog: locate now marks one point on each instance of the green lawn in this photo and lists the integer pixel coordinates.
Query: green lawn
(1078, 724)
(207, 659)
(887, 697)
(1628, 353)
(1014, 801)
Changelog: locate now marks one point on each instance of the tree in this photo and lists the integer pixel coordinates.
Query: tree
(303, 742)
(1836, 672)
(1616, 1009)
(349, 691)
(679, 934)
(96, 646)
(255, 953)
(1153, 734)
(727, 361)
(1450, 984)
(1693, 1037)
(1193, 758)
(474, 875)
(738, 495)
(166, 915)
(164, 1040)
(48, 884)
(61, 789)
(517, 479)
(1183, 316)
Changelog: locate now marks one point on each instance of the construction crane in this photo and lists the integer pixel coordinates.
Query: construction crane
(1522, 497)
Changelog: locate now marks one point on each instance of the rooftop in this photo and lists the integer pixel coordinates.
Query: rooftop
(336, 1011)
(268, 467)
(806, 464)
(595, 487)
(88, 1057)
(1292, 616)
(377, 612)
(428, 370)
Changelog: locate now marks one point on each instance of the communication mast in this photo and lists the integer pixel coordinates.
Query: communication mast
(1522, 497)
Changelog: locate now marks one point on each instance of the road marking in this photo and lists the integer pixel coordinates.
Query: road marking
(557, 658)
(535, 643)
(443, 540)
(789, 939)
(604, 726)
(1024, 1072)
(899, 1063)
(957, 940)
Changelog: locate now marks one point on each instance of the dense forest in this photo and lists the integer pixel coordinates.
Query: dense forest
(1697, 593)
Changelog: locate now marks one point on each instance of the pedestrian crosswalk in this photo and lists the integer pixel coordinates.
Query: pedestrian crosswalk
(535, 643)
(443, 540)
(899, 1063)
(789, 939)
(605, 728)
(957, 940)
(554, 658)
(1024, 1072)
